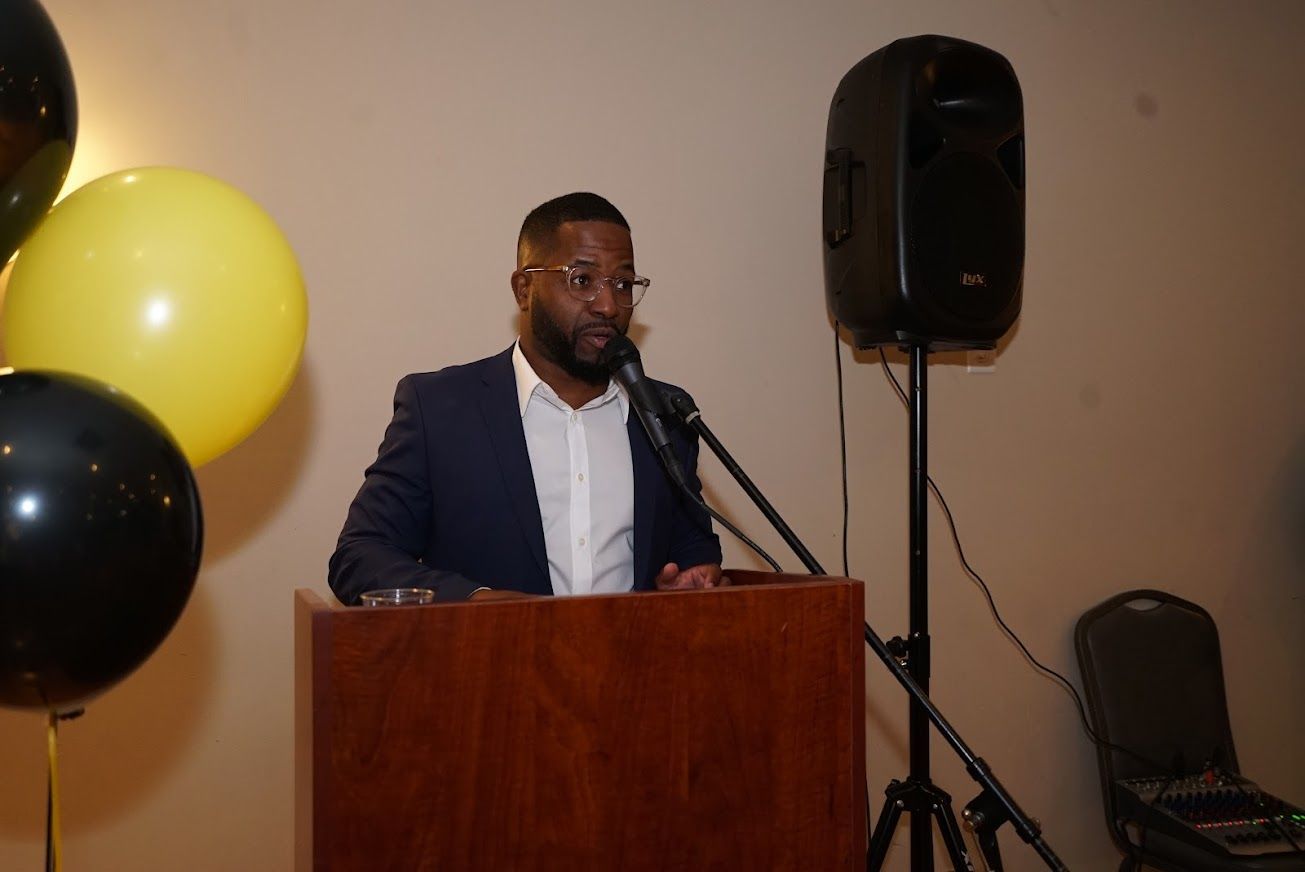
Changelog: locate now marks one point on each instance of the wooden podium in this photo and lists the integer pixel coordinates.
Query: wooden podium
(697, 730)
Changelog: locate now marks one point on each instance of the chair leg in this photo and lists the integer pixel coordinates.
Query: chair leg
(1128, 864)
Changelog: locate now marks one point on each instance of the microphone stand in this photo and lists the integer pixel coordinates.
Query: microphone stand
(994, 804)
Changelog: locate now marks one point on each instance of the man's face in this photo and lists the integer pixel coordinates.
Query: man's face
(568, 332)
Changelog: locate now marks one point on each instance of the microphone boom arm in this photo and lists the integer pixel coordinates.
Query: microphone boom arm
(978, 769)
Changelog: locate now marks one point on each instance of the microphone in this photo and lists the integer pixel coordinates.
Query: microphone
(623, 362)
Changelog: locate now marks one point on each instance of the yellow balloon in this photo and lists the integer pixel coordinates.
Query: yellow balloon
(172, 286)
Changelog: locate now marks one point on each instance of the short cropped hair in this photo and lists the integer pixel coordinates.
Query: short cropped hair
(540, 226)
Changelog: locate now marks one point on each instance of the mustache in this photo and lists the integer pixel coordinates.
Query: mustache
(602, 326)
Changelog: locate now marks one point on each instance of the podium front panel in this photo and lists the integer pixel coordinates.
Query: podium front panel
(694, 730)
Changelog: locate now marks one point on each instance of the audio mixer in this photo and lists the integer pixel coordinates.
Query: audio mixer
(1216, 810)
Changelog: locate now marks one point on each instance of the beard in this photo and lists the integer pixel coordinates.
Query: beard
(560, 347)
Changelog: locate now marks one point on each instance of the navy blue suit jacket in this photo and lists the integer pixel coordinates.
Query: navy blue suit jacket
(450, 502)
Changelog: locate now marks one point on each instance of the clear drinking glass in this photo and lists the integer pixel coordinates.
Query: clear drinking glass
(399, 596)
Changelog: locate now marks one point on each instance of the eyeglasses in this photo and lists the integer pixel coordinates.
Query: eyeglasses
(584, 283)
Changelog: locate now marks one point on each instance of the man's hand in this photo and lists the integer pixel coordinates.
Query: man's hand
(486, 593)
(703, 575)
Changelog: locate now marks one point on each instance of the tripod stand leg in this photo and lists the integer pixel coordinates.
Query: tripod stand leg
(882, 837)
(952, 838)
(923, 800)
(987, 840)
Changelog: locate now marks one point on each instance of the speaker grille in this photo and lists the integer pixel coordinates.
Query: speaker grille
(966, 238)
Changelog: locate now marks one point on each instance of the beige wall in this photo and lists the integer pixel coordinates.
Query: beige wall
(1144, 425)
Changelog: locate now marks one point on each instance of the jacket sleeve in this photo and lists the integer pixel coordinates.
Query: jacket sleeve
(692, 539)
(389, 521)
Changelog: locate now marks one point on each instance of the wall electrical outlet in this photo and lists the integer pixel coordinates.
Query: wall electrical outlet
(981, 361)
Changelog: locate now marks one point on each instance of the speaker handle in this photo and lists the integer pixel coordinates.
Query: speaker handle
(841, 158)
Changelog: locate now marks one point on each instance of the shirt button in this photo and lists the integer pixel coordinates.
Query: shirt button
(582, 541)
(581, 477)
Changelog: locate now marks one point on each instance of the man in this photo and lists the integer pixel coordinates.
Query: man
(525, 472)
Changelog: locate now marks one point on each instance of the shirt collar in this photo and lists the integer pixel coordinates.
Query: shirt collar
(528, 381)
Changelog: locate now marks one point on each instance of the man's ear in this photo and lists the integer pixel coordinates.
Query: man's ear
(521, 289)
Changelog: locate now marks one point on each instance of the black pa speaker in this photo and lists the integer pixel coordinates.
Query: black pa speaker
(923, 207)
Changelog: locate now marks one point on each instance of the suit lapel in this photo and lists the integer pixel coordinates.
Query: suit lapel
(647, 481)
(498, 403)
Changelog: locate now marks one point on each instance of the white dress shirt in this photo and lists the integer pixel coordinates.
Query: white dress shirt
(584, 478)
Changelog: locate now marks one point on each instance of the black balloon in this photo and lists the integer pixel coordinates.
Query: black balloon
(100, 538)
(38, 119)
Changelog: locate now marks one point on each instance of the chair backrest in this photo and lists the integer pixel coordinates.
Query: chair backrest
(1153, 677)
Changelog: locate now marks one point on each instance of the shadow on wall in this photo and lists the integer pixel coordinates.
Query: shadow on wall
(938, 358)
(1276, 541)
(130, 741)
(126, 744)
(246, 487)
(1291, 523)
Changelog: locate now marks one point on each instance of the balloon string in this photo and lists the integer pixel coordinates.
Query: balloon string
(53, 846)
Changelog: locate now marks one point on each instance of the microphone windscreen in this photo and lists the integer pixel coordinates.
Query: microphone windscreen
(618, 352)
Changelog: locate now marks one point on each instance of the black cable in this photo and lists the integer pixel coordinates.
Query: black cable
(1065, 682)
(702, 504)
(721, 519)
(842, 453)
(1271, 823)
(992, 605)
(842, 440)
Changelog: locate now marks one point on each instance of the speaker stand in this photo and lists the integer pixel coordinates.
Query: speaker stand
(918, 794)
